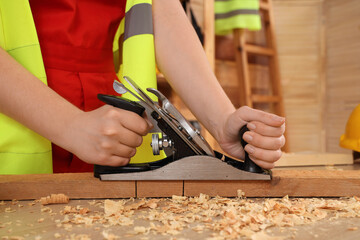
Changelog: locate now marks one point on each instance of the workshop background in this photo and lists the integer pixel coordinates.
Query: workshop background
(318, 47)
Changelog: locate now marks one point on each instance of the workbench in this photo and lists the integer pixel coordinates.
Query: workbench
(47, 222)
(329, 192)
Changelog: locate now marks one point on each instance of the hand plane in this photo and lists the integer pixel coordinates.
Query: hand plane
(189, 156)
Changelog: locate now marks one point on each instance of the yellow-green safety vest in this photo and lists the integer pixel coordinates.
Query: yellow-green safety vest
(138, 62)
(22, 151)
(232, 14)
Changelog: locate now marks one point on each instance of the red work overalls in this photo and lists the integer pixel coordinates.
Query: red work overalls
(76, 39)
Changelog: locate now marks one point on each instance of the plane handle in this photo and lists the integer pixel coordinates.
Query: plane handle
(249, 165)
(123, 103)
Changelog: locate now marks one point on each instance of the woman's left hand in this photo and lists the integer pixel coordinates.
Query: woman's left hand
(265, 138)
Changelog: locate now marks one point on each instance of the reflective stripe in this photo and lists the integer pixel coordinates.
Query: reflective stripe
(138, 20)
(235, 12)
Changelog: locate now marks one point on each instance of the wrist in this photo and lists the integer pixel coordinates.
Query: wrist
(219, 122)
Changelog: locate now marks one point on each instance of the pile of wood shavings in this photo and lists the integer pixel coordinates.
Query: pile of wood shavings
(226, 218)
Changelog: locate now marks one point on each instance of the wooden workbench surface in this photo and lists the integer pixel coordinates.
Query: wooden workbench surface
(292, 182)
(31, 220)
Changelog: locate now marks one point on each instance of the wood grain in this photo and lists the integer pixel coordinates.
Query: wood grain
(159, 188)
(74, 185)
(294, 183)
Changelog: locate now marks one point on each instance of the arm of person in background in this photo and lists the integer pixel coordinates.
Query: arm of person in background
(182, 60)
(106, 136)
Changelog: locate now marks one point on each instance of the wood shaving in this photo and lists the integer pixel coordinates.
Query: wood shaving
(77, 210)
(353, 228)
(54, 199)
(109, 236)
(9, 210)
(57, 235)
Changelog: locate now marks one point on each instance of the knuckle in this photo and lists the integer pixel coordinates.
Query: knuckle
(111, 113)
(246, 108)
(109, 131)
(105, 145)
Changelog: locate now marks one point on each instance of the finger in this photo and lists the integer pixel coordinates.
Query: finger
(130, 120)
(129, 138)
(120, 134)
(263, 154)
(248, 114)
(266, 130)
(137, 124)
(115, 161)
(124, 151)
(263, 142)
(263, 164)
(112, 147)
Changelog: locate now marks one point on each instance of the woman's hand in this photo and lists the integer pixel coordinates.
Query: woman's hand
(106, 136)
(265, 138)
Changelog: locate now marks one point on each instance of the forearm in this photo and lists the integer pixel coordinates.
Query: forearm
(183, 62)
(26, 99)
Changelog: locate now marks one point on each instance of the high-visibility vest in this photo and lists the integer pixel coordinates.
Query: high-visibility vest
(22, 151)
(232, 14)
(138, 62)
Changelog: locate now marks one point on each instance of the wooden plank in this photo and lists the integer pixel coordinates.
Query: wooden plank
(264, 6)
(159, 188)
(265, 98)
(298, 159)
(74, 185)
(242, 68)
(254, 49)
(294, 183)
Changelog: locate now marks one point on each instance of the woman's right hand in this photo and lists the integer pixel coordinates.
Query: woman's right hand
(106, 136)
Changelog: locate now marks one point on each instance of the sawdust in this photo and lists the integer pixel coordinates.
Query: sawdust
(222, 218)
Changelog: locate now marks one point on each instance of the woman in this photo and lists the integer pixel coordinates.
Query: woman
(76, 41)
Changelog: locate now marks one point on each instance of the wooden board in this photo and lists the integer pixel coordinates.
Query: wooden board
(299, 183)
(311, 159)
(75, 185)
